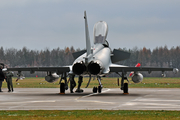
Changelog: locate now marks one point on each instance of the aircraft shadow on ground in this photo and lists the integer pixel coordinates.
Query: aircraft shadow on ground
(82, 94)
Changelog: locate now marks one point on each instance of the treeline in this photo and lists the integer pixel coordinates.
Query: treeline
(158, 57)
(26, 58)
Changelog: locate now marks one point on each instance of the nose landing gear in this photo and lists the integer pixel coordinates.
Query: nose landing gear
(99, 88)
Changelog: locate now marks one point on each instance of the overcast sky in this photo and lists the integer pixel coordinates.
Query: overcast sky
(40, 24)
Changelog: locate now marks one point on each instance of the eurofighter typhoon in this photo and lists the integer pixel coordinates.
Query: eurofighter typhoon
(96, 61)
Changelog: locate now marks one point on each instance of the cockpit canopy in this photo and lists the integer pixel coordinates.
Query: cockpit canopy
(100, 32)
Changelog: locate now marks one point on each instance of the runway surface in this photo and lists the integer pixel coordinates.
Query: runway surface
(109, 99)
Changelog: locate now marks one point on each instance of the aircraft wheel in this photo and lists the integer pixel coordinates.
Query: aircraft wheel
(94, 89)
(99, 89)
(125, 88)
(62, 88)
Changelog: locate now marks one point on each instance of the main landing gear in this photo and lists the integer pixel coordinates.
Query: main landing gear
(63, 86)
(99, 88)
(124, 86)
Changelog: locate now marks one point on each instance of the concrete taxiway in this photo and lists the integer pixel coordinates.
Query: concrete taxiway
(109, 99)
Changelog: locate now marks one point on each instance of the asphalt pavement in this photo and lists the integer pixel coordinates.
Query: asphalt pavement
(109, 99)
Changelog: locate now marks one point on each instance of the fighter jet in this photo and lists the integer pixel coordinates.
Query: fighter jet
(96, 61)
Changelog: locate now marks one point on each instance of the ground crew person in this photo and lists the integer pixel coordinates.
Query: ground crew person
(9, 76)
(79, 84)
(72, 83)
(2, 77)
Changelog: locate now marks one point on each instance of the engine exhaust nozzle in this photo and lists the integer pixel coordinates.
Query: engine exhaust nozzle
(94, 68)
(79, 68)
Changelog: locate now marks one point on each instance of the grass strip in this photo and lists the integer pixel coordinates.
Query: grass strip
(89, 115)
(148, 82)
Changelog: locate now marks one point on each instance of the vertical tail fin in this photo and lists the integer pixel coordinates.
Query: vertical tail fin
(88, 43)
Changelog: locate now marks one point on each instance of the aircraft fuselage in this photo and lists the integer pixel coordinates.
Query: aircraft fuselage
(95, 63)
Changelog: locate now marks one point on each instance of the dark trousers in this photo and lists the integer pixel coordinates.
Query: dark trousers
(10, 85)
(0, 85)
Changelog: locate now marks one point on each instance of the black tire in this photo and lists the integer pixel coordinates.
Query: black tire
(62, 88)
(125, 87)
(94, 89)
(99, 89)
